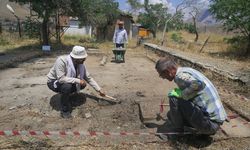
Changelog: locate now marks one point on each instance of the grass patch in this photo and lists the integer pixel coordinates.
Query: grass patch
(10, 42)
(176, 37)
(3, 41)
(222, 45)
(82, 40)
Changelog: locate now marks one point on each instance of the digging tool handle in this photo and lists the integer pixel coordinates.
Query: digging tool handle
(111, 97)
(164, 104)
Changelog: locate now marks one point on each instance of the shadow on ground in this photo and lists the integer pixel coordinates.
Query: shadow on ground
(78, 99)
(197, 141)
(75, 99)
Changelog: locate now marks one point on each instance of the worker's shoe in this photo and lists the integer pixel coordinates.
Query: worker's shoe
(190, 130)
(164, 137)
(167, 132)
(66, 114)
(170, 137)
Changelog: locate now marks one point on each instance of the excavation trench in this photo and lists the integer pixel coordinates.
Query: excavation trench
(27, 103)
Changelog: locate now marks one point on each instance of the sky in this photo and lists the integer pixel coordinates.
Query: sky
(170, 3)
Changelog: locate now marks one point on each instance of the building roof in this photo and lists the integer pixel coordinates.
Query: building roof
(127, 16)
(20, 10)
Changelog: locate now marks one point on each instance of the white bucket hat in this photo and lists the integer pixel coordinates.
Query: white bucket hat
(78, 52)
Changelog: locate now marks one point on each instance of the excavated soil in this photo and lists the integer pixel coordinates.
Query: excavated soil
(27, 104)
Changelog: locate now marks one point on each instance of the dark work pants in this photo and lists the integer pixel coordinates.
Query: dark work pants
(65, 89)
(119, 45)
(185, 113)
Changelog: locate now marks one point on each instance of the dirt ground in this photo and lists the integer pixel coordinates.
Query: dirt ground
(27, 104)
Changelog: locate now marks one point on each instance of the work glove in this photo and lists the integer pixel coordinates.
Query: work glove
(176, 92)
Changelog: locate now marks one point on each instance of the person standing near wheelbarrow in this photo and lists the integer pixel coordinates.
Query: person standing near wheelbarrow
(119, 39)
(120, 36)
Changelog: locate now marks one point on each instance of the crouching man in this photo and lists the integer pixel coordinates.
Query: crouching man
(69, 75)
(195, 104)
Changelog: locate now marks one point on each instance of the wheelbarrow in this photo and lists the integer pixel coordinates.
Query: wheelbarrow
(119, 53)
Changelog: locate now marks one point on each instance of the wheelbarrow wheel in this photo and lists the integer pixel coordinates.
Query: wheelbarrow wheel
(123, 57)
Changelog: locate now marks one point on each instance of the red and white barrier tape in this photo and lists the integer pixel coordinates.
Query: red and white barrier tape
(79, 133)
(161, 106)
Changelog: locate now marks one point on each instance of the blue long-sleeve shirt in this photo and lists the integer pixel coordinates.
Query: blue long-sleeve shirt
(120, 36)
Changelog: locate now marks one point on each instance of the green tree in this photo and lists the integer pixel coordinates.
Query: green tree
(44, 10)
(195, 8)
(189, 27)
(154, 16)
(31, 28)
(135, 5)
(235, 15)
(176, 23)
(89, 12)
(97, 13)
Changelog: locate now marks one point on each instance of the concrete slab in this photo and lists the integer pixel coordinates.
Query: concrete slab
(236, 128)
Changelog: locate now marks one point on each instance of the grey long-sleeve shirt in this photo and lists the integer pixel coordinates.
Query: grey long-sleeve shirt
(120, 36)
(59, 71)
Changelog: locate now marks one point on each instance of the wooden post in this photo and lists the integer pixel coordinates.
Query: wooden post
(1, 28)
(204, 44)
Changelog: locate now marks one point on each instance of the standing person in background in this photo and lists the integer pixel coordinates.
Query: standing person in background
(120, 36)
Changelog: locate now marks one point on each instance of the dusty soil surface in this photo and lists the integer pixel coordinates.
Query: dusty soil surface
(8, 60)
(27, 104)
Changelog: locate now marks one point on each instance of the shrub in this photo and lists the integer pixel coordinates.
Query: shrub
(238, 43)
(86, 41)
(176, 37)
(31, 28)
(79, 38)
(189, 27)
(3, 41)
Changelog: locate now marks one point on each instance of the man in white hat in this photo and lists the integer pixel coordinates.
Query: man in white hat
(69, 75)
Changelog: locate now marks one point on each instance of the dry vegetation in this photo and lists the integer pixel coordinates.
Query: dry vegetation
(10, 42)
(182, 40)
(215, 42)
(216, 46)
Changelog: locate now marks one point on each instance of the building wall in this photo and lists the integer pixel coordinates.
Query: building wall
(75, 30)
